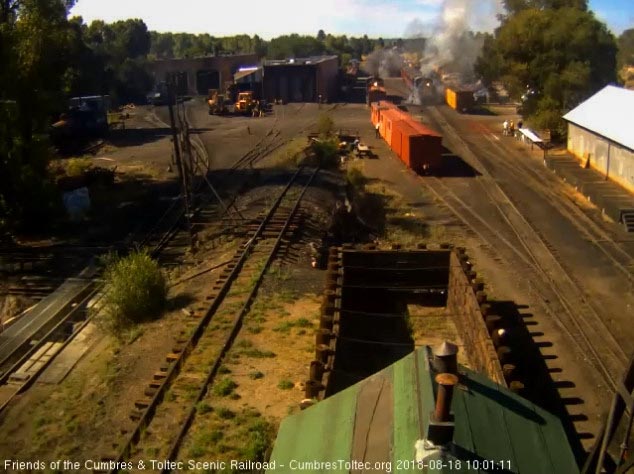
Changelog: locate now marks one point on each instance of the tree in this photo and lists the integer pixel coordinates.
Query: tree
(36, 50)
(564, 54)
(321, 35)
(162, 45)
(513, 7)
(294, 45)
(626, 48)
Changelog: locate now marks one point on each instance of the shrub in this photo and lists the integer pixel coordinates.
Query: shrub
(326, 153)
(260, 436)
(356, 178)
(325, 125)
(285, 384)
(225, 387)
(225, 413)
(135, 291)
(203, 408)
(77, 166)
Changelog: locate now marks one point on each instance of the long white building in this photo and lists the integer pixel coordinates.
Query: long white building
(601, 134)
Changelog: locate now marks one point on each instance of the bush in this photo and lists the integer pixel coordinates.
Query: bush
(326, 153)
(77, 166)
(225, 413)
(225, 387)
(256, 375)
(285, 385)
(260, 436)
(325, 125)
(356, 178)
(135, 291)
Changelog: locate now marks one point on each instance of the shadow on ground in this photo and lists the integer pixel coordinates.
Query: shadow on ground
(529, 356)
(453, 166)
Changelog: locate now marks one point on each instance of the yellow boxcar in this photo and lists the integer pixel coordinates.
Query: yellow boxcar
(452, 98)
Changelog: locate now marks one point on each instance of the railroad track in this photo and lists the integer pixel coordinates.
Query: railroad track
(582, 222)
(566, 302)
(161, 419)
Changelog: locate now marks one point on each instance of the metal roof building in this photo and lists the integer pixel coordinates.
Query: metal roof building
(389, 423)
(601, 134)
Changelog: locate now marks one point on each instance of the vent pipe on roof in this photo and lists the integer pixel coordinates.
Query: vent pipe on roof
(445, 358)
(446, 383)
(441, 425)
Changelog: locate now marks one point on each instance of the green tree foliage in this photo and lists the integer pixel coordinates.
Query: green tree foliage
(113, 60)
(513, 7)
(186, 45)
(35, 50)
(626, 48)
(294, 45)
(564, 54)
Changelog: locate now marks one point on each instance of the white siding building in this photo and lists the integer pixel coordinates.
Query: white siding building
(601, 134)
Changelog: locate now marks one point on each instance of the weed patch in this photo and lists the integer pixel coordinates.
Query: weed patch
(285, 384)
(225, 387)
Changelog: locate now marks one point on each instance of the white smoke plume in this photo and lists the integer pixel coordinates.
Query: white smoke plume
(384, 63)
(453, 46)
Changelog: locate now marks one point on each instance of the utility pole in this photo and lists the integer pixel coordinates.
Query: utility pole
(182, 175)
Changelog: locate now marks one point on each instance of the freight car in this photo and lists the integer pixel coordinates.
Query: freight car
(460, 100)
(418, 146)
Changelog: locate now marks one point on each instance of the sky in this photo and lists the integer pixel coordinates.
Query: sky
(270, 18)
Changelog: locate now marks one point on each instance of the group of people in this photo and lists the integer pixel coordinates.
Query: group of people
(509, 127)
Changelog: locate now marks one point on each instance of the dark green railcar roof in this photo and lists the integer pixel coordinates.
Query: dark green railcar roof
(379, 421)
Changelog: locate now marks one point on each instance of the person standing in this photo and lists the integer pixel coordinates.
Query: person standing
(505, 127)
(376, 129)
(512, 128)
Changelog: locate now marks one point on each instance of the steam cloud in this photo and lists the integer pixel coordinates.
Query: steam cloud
(453, 47)
(384, 63)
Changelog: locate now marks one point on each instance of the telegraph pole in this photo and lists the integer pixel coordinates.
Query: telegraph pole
(182, 175)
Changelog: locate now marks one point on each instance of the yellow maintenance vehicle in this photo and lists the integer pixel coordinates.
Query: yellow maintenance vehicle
(216, 102)
(245, 103)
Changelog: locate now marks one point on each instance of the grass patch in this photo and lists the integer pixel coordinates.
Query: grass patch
(225, 414)
(258, 354)
(257, 439)
(286, 326)
(285, 384)
(287, 296)
(203, 408)
(225, 387)
(356, 178)
(77, 166)
(255, 329)
(256, 375)
(224, 370)
(244, 344)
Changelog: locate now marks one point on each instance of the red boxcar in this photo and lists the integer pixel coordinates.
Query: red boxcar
(420, 152)
(417, 145)
(390, 120)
